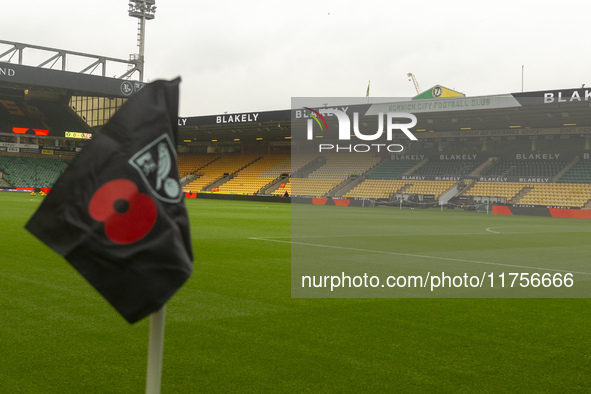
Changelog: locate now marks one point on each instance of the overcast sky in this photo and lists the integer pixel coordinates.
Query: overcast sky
(246, 56)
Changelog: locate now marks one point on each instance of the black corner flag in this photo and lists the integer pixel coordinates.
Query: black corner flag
(117, 213)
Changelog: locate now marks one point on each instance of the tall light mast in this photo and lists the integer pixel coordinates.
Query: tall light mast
(143, 10)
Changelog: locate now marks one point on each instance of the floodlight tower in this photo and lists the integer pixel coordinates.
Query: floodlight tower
(143, 10)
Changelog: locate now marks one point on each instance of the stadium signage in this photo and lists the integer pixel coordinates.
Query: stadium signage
(413, 178)
(58, 148)
(408, 157)
(9, 72)
(238, 118)
(27, 150)
(534, 180)
(182, 121)
(492, 179)
(304, 114)
(567, 97)
(458, 157)
(448, 178)
(447, 104)
(537, 156)
(443, 104)
(575, 130)
(71, 134)
(430, 178)
(514, 179)
(128, 88)
(18, 145)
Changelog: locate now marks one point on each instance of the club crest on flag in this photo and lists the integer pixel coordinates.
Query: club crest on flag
(154, 163)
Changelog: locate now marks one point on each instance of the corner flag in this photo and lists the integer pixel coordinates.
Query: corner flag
(117, 213)
(367, 93)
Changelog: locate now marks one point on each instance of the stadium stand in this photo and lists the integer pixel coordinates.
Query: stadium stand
(391, 169)
(447, 168)
(297, 165)
(283, 166)
(377, 188)
(343, 166)
(383, 180)
(437, 188)
(216, 170)
(506, 190)
(283, 188)
(251, 174)
(529, 168)
(58, 116)
(250, 180)
(24, 171)
(319, 175)
(579, 173)
(14, 113)
(313, 187)
(335, 170)
(553, 194)
(189, 164)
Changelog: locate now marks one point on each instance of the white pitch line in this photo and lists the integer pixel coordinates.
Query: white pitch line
(419, 256)
(363, 235)
(553, 231)
(488, 231)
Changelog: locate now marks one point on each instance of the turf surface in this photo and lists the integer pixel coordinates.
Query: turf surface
(234, 327)
(384, 241)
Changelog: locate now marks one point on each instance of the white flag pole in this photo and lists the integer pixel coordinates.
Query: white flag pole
(155, 350)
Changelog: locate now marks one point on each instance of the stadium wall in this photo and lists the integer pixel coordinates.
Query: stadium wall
(342, 202)
(238, 197)
(541, 211)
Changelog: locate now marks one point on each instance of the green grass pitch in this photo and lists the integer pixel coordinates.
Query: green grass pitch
(235, 328)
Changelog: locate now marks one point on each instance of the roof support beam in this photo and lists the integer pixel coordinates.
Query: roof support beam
(96, 60)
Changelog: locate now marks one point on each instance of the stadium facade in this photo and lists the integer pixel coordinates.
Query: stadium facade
(521, 149)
